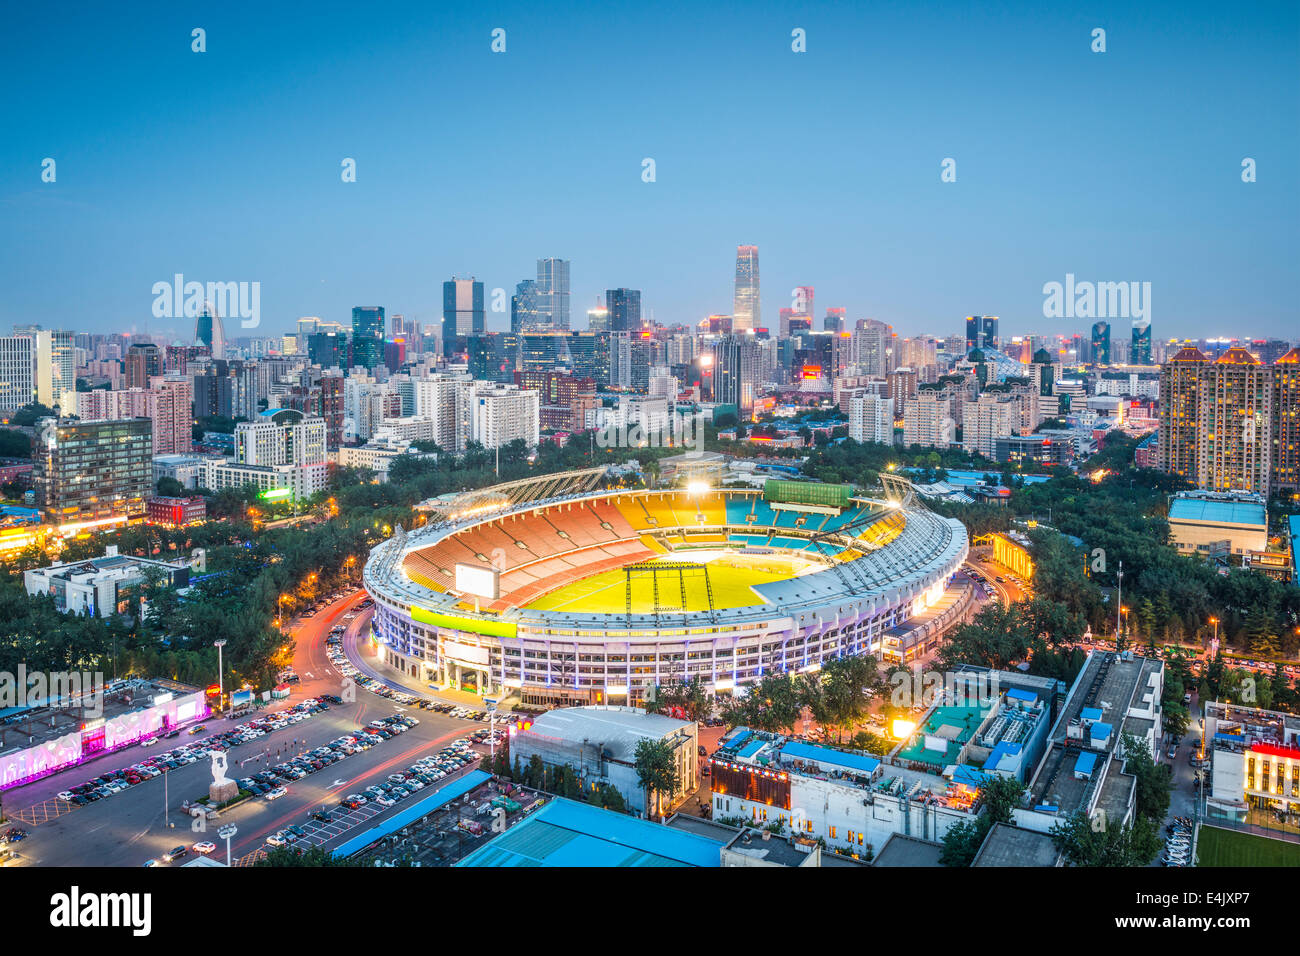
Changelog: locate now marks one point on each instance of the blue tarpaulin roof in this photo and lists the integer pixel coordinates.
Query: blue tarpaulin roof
(1002, 749)
(1219, 512)
(413, 812)
(751, 748)
(855, 762)
(565, 833)
(1016, 693)
(1090, 713)
(1100, 731)
(969, 776)
(1085, 764)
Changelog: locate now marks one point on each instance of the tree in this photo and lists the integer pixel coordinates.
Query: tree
(1084, 844)
(1154, 781)
(656, 771)
(169, 487)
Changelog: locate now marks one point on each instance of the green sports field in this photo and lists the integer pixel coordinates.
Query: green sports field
(1218, 847)
(606, 593)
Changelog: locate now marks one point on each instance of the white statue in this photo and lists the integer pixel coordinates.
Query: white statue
(219, 769)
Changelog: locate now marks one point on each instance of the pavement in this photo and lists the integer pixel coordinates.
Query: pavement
(145, 821)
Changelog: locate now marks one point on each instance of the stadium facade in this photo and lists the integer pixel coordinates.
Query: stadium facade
(867, 565)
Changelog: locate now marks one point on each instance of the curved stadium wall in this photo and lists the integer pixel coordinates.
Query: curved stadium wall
(881, 563)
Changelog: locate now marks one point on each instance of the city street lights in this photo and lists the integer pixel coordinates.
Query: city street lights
(227, 833)
(1214, 647)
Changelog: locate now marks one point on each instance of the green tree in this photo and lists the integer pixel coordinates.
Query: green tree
(656, 771)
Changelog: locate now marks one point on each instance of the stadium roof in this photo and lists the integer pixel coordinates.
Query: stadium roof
(618, 729)
(565, 833)
(1214, 511)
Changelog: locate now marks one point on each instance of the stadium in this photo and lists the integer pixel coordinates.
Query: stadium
(561, 592)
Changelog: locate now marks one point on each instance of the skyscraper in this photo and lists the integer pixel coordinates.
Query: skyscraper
(209, 332)
(88, 470)
(746, 313)
(17, 362)
(1140, 351)
(624, 306)
(553, 291)
(982, 332)
(462, 314)
(525, 308)
(1101, 343)
(368, 320)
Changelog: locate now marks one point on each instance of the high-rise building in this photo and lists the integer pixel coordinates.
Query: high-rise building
(553, 292)
(525, 308)
(624, 306)
(91, 470)
(1140, 349)
(281, 436)
(735, 372)
(927, 419)
(982, 332)
(835, 320)
(17, 364)
(210, 332)
(1286, 423)
(143, 362)
(1101, 343)
(367, 320)
(500, 414)
(54, 375)
(871, 419)
(1217, 419)
(462, 314)
(985, 420)
(746, 313)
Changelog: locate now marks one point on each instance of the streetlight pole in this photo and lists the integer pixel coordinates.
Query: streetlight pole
(1119, 603)
(221, 682)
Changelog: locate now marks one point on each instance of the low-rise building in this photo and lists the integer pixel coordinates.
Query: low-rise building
(97, 586)
(1205, 522)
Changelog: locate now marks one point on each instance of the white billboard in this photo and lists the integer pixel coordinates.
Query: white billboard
(481, 582)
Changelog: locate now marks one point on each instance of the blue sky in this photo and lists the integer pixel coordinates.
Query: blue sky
(225, 165)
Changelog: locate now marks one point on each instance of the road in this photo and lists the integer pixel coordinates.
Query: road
(138, 824)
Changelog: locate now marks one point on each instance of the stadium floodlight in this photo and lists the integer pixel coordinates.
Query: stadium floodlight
(903, 728)
(697, 487)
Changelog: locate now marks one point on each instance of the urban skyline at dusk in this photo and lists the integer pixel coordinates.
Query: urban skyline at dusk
(1114, 167)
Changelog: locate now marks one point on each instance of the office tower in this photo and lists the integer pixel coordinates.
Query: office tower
(835, 320)
(553, 292)
(982, 332)
(735, 375)
(210, 332)
(500, 414)
(871, 419)
(624, 306)
(327, 349)
(1285, 472)
(17, 364)
(143, 362)
(462, 314)
(525, 308)
(803, 301)
(927, 419)
(870, 347)
(1217, 419)
(1101, 343)
(1269, 351)
(564, 399)
(397, 325)
(54, 375)
(368, 320)
(598, 319)
(91, 470)
(1140, 350)
(746, 313)
(1043, 372)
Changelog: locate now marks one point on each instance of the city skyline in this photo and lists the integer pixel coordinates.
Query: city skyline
(1124, 190)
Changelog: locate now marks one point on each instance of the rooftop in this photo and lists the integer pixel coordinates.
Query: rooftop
(1008, 845)
(619, 729)
(568, 834)
(902, 850)
(1219, 511)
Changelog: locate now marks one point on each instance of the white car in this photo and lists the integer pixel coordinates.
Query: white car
(204, 848)
(276, 794)
(277, 839)
(65, 795)
(148, 741)
(385, 801)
